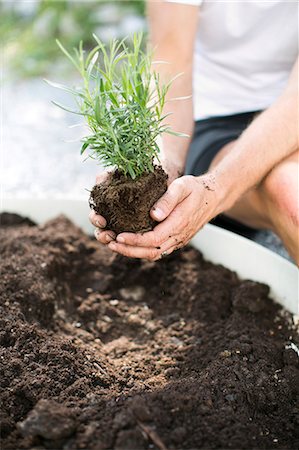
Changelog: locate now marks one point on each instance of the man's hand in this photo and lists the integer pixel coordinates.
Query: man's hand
(106, 236)
(189, 203)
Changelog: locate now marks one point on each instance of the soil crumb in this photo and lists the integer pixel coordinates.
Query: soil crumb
(98, 351)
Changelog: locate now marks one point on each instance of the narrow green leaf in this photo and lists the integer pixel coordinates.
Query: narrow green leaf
(67, 109)
(131, 172)
(84, 147)
(67, 54)
(176, 133)
(174, 99)
(62, 87)
(97, 111)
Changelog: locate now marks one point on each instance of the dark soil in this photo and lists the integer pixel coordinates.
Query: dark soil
(101, 352)
(126, 203)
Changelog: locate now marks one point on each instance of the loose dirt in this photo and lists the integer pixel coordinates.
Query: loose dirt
(126, 203)
(101, 352)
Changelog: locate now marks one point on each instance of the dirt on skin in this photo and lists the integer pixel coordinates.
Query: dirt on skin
(100, 352)
(126, 203)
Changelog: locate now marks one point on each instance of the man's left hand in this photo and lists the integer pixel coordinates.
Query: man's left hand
(188, 204)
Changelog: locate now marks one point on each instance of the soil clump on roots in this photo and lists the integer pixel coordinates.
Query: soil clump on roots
(98, 351)
(126, 203)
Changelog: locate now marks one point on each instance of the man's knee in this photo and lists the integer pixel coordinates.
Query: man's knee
(280, 188)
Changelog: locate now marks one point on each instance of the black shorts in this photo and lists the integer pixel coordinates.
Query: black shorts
(210, 136)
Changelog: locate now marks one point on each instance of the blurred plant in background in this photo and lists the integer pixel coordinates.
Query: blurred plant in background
(28, 30)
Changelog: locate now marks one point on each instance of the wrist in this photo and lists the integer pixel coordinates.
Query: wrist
(218, 190)
(173, 155)
(173, 169)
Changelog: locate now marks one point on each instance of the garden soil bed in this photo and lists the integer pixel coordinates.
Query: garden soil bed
(102, 352)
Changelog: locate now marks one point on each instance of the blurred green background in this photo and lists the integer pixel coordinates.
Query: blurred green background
(29, 28)
(40, 143)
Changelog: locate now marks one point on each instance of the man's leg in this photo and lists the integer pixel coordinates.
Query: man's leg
(273, 204)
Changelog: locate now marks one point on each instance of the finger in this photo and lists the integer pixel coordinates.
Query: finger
(149, 253)
(153, 238)
(170, 246)
(156, 238)
(175, 194)
(101, 177)
(149, 239)
(97, 220)
(168, 252)
(105, 237)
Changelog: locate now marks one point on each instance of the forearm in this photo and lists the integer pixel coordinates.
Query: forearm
(271, 137)
(172, 29)
(174, 148)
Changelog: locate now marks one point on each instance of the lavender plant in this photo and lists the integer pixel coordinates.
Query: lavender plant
(122, 100)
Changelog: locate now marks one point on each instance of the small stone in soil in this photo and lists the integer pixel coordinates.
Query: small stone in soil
(135, 293)
(114, 302)
(225, 353)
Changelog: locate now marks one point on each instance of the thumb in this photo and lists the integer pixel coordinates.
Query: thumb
(174, 195)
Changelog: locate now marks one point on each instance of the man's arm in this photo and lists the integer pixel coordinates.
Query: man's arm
(190, 202)
(172, 30)
(271, 137)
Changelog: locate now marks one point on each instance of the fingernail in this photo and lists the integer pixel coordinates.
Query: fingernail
(100, 223)
(158, 213)
(120, 239)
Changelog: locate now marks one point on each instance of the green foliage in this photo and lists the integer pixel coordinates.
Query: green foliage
(28, 30)
(122, 100)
